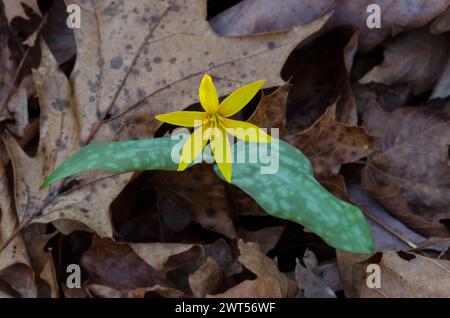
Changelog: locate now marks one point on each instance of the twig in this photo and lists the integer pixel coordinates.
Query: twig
(388, 229)
(16, 232)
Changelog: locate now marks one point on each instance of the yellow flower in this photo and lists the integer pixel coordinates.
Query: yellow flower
(213, 124)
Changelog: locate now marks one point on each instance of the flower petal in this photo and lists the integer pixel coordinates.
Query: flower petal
(183, 118)
(245, 131)
(208, 95)
(221, 148)
(239, 98)
(193, 146)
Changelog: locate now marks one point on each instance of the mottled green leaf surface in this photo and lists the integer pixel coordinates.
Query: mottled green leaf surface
(292, 193)
(281, 181)
(118, 157)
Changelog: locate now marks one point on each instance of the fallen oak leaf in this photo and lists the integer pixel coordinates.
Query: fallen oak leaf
(120, 83)
(59, 137)
(271, 110)
(412, 156)
(329, 144)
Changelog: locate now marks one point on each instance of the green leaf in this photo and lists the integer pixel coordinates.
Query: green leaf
(118, 157)
(292, 193)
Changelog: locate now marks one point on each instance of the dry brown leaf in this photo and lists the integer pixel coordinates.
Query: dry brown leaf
(412, 156)
(402, 275)
(271, 111)
(108, 265)
(310, 283)
(254, 16)
(155, 53)
(206, 279)
(415, 57)
(15, 265)
(14, 8)
(166, 257)
(36, 238)
(269, 283)
(266, 238)
(394, 202)
(329, 144)
(111, 263)
(389, 97)
(59, 138)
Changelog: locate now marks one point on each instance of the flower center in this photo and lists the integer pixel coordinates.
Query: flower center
(214, 119)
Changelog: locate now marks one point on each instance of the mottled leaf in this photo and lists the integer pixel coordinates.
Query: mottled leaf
(118, 157)
(291, 192)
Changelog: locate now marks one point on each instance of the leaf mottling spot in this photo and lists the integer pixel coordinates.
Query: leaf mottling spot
(92, 86)
(175, 8)
(116, 62)
(271, 45)
(112, 10)
(141, 93)
(173, 60)
(60, 104)
(157, 60)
